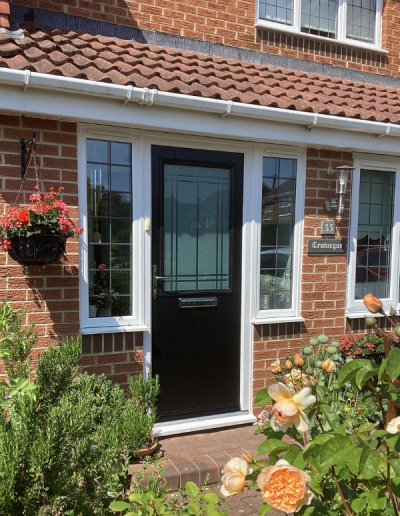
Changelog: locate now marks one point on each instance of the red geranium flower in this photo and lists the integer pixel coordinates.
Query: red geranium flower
(24, 217)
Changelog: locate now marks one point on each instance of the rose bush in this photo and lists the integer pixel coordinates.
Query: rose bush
(330, 467)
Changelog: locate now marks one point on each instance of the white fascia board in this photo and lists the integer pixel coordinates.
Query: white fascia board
(86, 101)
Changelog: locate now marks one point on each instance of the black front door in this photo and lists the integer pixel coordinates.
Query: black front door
(197, 234)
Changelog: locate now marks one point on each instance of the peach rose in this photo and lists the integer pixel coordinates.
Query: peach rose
(234, 476)
(275, 367)
(393, 427)
(288, 364)
(373, 304)
(288, 409)
(295, 380)
(284, 487)
(329, 366)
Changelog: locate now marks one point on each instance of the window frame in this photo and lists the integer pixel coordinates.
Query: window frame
(293, 313)
(355, 307)
(341, 23)
(134, 322)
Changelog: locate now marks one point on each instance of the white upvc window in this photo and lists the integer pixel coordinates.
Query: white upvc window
(354, 22)
(374, 234)
(110, 213)
(281, 206)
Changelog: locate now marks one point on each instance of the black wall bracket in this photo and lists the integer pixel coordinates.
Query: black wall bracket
(26, 153)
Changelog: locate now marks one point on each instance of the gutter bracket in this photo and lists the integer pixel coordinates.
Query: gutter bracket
(385, 133)
(128, 95)
(27, 77)
(228, 109)
(148, 97)
(310, 126)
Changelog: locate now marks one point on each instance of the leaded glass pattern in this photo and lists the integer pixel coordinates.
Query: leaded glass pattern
(196, 227)
(277, 226)
(319, 17)
(361, 16)
(374, 235)
(279, 11)
(109, 187)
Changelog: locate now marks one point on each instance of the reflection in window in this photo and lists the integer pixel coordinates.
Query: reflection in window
(374, 245)
(361, 20)
(277, 225)
(196, 227)
(280, 11)
(319, 17)
(109, 186)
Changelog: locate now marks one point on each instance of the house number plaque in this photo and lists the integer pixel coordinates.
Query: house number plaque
(328, 227)
(326, 246)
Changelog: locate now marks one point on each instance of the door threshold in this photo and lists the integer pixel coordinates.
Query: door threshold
(184, 426)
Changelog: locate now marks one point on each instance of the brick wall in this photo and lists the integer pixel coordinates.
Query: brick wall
(51, 293)
(231, 22)
(323, 281)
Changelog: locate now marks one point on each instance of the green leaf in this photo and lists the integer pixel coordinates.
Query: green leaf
(330, 415)
(382, 370)
(358, 504)
(191, 489)
(394, 443)
(264, 509)
(294, 456)
(369, 469)
(393, 363)
(395, 485)
(364, 374)
(211, 498)
(365, 453)
(395, 463)
(135, 497)
(379, 433)
(119, 506)
(366, 427)
(315, 444)
(335, 450)
(316, 487)
(349, 370)
(262, 398)
(377, 500)
(272, 445)
(160, 508)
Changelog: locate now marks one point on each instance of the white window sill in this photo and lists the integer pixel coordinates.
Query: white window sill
(274, 320)
(361, 315)
(261, 24)
(197, 425)
(88, 330)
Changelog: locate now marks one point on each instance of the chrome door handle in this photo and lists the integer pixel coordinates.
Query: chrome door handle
(155, 281)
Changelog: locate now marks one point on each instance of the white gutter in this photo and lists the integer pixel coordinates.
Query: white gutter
(127, 94)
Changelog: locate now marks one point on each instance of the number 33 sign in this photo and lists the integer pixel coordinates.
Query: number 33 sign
(327, 227)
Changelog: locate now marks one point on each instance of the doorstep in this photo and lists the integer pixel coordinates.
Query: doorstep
(189, 457)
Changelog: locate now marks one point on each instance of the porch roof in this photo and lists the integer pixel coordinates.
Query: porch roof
(100, 59)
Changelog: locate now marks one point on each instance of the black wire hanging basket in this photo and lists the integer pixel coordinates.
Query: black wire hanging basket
(41, 249)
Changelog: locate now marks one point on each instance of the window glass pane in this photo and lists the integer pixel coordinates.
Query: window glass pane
(319, 17)
(277, 223)
(109, 175)
(280, 11)
(375, 220)
(196, 227)
(361, 20)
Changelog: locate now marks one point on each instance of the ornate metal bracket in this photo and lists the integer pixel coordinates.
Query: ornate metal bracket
(26, 153)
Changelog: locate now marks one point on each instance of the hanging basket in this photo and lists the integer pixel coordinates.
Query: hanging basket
(41, 249)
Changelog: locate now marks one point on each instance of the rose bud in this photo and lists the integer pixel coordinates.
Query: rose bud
(370, 321)
(329, 366)
(288, 364)
(309, 370)
(248, 458)
(312, 381)
(275, 367)
(373, 304)
(397, 330)
(392, 312)
(299, 360)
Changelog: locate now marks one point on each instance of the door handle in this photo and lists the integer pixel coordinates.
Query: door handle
(156, 279)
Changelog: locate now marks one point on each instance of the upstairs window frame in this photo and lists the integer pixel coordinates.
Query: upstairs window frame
(295, 27)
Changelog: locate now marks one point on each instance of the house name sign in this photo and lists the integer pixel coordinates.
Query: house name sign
(326, 246)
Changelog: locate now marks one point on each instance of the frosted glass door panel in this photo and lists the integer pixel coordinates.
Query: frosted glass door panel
(196, 227)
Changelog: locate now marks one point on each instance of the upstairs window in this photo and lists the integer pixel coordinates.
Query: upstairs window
(355, 22)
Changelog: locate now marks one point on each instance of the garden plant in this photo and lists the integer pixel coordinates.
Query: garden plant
(318, 464)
